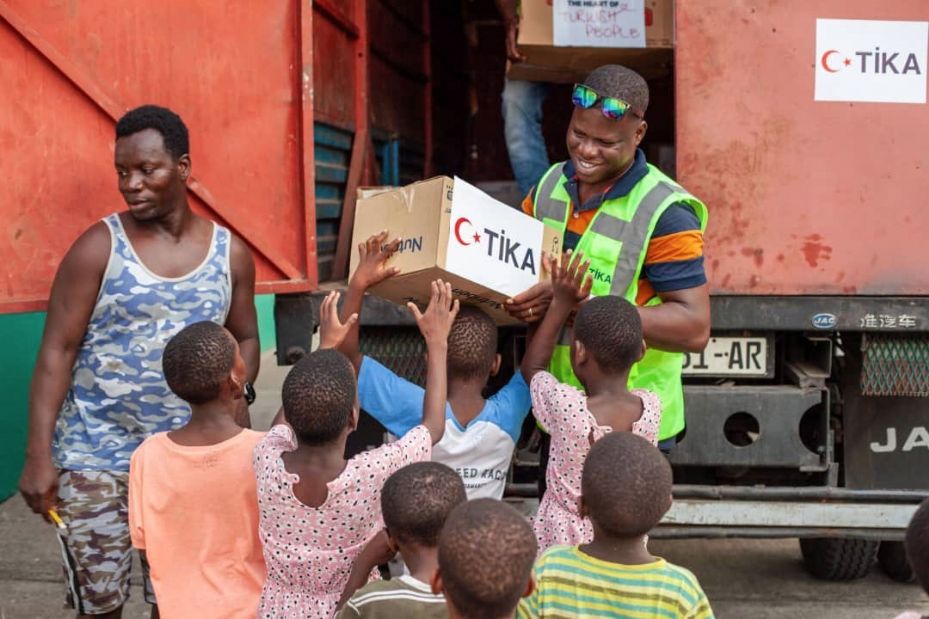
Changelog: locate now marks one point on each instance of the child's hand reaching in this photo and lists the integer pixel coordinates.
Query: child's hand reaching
(373, 255)
(570, 282)
(570, 286)
(332, 331)
(436, 322)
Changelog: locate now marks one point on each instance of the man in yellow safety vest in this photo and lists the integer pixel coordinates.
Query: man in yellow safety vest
(641, 230)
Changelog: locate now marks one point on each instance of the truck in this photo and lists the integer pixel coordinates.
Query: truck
(807, 414)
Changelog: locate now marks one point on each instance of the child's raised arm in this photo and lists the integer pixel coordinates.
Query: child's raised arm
(332, 331)
(435, 324)
(570, 285)
(377, 551)
(371, 270)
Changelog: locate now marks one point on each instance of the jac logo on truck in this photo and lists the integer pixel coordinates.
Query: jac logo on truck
(499, 245)
(824, 321)
(868, 60)
(918, 437)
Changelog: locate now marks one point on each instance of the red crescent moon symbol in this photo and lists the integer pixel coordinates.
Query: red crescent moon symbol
(825, 60)
(461, 220)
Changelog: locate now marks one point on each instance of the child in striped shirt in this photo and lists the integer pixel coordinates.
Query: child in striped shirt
(625, 491)
(415, 502)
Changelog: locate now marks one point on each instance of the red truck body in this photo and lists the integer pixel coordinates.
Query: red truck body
(806, 197)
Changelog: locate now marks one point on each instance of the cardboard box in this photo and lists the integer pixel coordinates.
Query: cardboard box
(547, 63)
(487, 250)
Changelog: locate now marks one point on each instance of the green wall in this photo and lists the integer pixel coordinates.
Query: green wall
(20, 335)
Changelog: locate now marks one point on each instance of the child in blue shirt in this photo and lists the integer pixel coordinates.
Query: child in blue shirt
(480, 435)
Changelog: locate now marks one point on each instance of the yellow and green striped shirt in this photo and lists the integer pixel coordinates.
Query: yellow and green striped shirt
(571, 584)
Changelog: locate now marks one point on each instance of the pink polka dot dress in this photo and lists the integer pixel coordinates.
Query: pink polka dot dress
(309, 551)
(562, 411)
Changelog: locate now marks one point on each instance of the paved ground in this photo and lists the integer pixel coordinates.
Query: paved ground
(743, 578)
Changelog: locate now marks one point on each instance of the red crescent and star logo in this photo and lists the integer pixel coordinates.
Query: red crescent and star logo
(474, 238)
(824, 60)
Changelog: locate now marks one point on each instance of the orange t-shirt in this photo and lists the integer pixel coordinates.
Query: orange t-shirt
(194, 510)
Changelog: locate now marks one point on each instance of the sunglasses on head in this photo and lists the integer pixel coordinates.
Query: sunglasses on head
(586, 97)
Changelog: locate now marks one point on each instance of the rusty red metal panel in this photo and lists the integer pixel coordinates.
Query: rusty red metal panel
(398, 68)
(805, 197)
(334, 66)
(232, 72)
(305, 129)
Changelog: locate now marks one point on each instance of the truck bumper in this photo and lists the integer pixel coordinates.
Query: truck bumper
(717, 511)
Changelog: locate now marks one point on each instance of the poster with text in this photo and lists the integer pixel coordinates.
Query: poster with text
(599, 23)
(868, 60)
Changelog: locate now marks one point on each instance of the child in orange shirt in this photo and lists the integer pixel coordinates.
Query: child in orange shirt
(193, 507)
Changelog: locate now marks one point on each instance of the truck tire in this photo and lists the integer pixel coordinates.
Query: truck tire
(829, 558)
(892, 558)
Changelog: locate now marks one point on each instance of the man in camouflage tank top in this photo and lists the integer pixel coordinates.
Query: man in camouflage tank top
(125, 287)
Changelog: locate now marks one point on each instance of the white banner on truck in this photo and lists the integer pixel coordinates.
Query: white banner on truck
(492, 244)
(598, 23)
(873, 61)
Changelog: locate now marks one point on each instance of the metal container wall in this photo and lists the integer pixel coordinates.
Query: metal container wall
(231, 70)
(806, 197)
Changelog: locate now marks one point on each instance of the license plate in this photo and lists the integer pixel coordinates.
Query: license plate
(729, 356)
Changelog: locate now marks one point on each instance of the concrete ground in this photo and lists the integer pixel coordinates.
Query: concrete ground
(761, 579)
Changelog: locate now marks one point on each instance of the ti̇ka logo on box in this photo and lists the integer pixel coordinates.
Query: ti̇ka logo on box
(492, 244)
(872, 61)
(498, 245)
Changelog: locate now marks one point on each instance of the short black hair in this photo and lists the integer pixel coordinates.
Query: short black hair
(197, 360)
(172, 129)
(472, 344)
(613, 80)
(417, 499)
(917, 544)
(610, 329)
(319, 396)
(626, 485)
(486, 552)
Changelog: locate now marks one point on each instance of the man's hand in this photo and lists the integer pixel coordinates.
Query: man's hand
(436, 322)
(530, 305)
(373, 255)
(332, 331)
(570, 282)
(39, 484)
(512, 34)
(507, 10)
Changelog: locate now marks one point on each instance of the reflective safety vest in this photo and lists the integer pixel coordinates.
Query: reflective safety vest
(616, 242)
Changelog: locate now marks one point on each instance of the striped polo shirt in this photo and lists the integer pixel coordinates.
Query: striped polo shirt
(674, 260)
(403, 597)
(572, 584)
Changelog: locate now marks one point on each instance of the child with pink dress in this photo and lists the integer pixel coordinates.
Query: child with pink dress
(317, 509)
(606, 342)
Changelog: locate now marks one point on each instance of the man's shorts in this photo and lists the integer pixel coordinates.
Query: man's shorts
(96, 550)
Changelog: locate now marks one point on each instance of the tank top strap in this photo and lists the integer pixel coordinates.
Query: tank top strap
(120, 242)
(222, 242)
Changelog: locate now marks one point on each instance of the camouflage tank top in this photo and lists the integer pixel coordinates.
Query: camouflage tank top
(118, 395)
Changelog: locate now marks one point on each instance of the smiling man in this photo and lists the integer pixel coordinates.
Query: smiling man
(641, 230)
(126, 287)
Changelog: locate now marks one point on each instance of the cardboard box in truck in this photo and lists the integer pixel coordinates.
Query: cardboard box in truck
(451, 230)
(546, 62)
